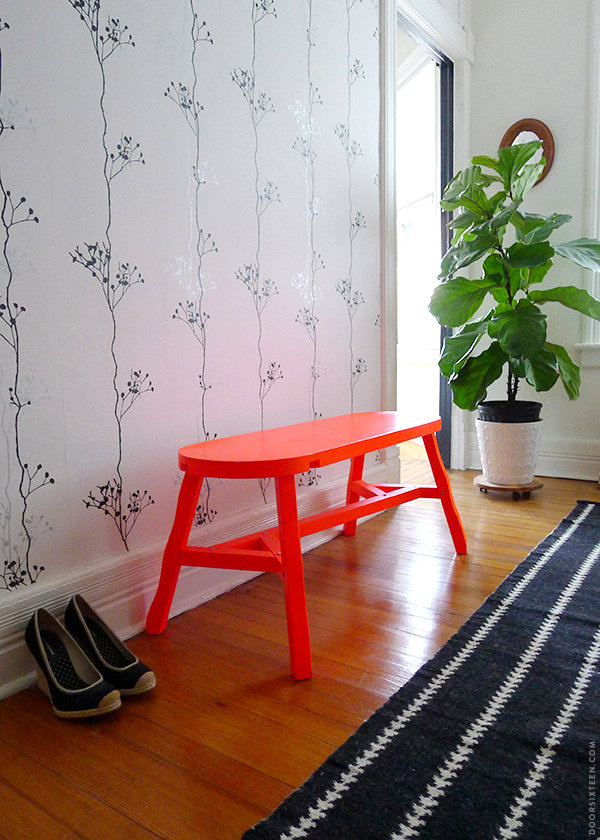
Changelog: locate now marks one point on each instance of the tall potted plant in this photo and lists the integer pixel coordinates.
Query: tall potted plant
(514, 255)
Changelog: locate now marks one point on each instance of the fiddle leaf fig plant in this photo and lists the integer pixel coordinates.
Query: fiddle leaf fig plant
(514, 253)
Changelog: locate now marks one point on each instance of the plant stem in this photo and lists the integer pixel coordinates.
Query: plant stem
(512, 385)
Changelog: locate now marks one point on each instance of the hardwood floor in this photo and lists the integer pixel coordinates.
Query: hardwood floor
(227, 733)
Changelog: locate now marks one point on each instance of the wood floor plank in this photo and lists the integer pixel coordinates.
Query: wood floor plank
(47, 797)
(147, 789)
(320, 713)
(22, 819)
(228, 733)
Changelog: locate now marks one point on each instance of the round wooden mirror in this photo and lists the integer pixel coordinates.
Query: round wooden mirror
(523, 131)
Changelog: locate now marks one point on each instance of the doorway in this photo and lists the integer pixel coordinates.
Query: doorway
(423, 167)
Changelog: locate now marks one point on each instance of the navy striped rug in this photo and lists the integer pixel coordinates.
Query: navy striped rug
(496, 736)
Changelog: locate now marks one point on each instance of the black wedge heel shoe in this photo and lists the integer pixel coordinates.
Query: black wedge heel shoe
(114, 661)
(65, 674)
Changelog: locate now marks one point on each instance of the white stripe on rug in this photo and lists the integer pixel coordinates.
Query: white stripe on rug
(365, 759)
(540, 765)
(449, 770)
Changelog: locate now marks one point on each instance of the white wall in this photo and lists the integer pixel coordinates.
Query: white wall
(279, 187)
(533, 60)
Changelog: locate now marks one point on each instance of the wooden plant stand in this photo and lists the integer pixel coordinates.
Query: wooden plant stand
(519, 491)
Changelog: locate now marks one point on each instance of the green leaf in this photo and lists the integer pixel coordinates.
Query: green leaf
(568, 370)
(569, 296)
(458, 347)
(466, 190)
(527, 179)
(512, 159)
(509, 280)
(456, 300)
(481, 228)
(519, 220)
(464, 220)
(541, 369)
(469, 386)
(497, 271)
(465, 252)
(476, 203)
(499, 220)
(538, 272)
(521, 331)
(517, 279)
(485, 160)
(546, 225)
(503, 217)
(488, 180)
(521, 255)
(583, 252)
(494, 267)
(517, 367)
(497, 199)
(500, 295)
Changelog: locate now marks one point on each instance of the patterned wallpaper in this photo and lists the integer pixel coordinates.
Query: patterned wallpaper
(190, 249)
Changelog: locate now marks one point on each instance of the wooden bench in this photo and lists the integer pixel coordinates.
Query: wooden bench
(282, 454)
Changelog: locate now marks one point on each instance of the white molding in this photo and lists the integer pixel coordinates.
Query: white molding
(462, 155)
(121, 589)
(589, 352)
(439, 28)
(558, 457)
(458, 444)
(387, 198)
(411, 65)
(591, 328)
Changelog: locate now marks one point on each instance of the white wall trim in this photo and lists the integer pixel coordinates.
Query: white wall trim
(439, 28)
(591, 328)
(589, 351)
(411, 65)
(387, 198)
(462, 155)
(121, 589)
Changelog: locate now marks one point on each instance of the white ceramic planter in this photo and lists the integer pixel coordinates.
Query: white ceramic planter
(508, 451)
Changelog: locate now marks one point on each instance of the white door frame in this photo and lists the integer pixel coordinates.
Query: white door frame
(456, 42)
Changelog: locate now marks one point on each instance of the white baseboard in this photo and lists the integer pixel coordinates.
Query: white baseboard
(121, 589)
(558, 457)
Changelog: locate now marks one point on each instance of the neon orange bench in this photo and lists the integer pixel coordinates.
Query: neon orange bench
(281, 454)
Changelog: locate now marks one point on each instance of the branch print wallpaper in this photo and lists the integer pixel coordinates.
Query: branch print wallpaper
(192, 313)
(115, 279)
(261, 288)
(21, 481)
(190, 224)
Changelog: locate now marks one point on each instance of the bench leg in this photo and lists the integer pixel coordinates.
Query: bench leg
(356, 473)
(293, 578)
(443, 484)
(158, 613)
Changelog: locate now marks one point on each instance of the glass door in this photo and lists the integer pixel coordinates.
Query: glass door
(423, 167)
